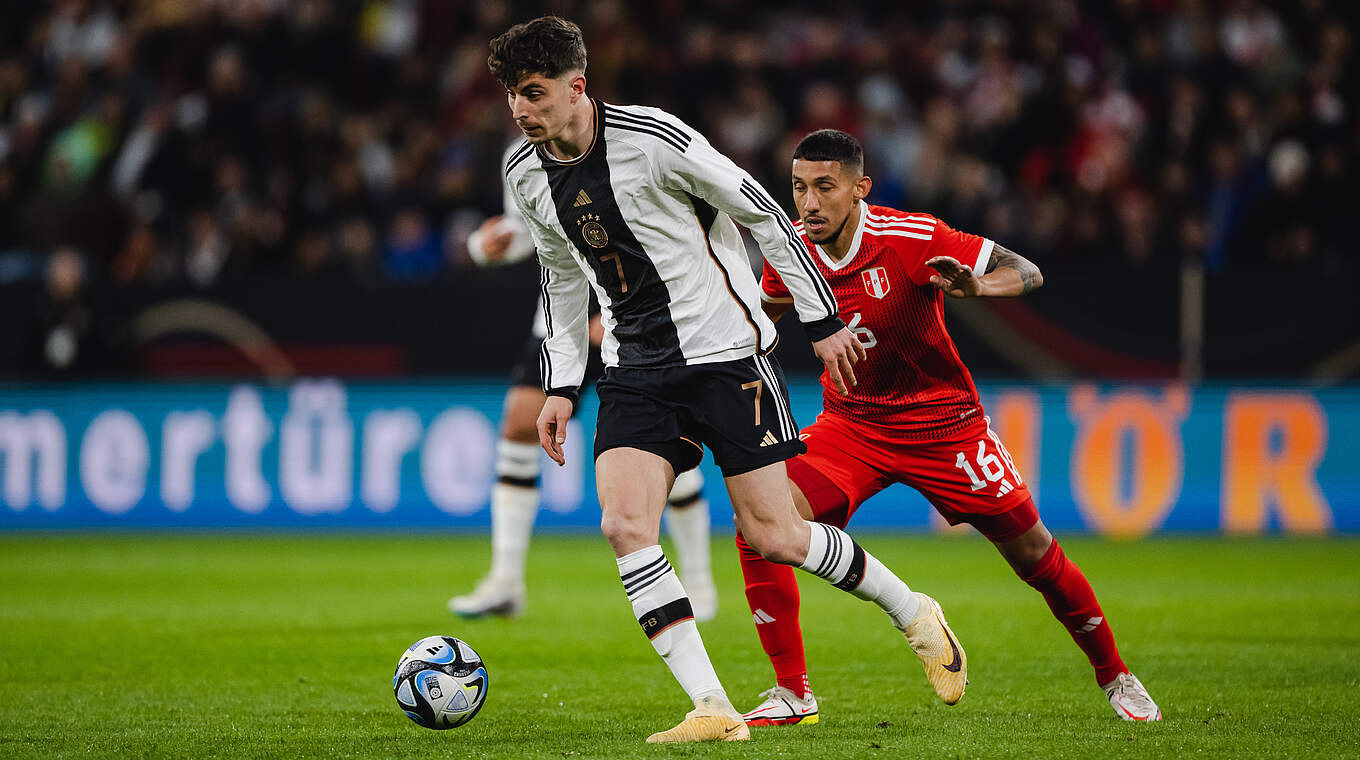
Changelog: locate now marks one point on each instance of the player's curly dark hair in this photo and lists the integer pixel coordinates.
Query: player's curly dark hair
(548, 45)
(832, 145)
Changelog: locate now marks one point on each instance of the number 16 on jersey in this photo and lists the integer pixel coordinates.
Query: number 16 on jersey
(991, 465)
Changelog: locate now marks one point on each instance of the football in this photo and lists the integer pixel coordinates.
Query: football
(440, 682)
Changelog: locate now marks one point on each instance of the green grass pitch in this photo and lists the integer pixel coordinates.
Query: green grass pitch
(283, 646)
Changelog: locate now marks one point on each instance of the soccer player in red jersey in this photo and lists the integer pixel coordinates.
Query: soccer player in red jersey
(914, 417)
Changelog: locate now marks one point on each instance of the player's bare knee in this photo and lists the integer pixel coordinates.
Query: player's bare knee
(519, 421)
(625, 532)
(775, 546)
(1025, 552)
(519, 433)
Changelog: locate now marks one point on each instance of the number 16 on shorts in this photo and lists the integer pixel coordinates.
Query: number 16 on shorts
(1000, 470)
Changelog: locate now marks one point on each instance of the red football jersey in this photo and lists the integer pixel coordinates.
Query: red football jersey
(913, 378)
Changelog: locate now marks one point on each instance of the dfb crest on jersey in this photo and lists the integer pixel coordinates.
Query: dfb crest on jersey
(593, 231)
(875, 281)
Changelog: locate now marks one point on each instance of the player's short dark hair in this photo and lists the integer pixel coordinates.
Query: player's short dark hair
(548, 45)
(832, 145)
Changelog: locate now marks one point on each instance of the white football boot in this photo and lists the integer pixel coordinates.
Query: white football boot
(1130, 699)
(492, 597)
(711, 720)
(941, 654)
(783, 708)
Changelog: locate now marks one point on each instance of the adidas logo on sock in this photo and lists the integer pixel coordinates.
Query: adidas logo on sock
(768, 440)
(1091, 625)
(761, 616)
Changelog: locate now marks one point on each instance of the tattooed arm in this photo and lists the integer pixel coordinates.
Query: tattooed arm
(1008, 274)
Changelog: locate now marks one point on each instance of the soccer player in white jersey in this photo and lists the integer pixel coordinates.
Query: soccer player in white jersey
(503, 240)
(634, 204)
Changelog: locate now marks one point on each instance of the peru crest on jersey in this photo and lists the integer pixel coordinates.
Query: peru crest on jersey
(876, 281)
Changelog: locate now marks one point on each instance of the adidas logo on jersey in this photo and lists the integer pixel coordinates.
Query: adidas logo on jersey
(768, 440)
(761, 617)
(581, 200)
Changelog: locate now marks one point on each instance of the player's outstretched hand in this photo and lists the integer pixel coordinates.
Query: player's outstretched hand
(839, 352)
(954, 279)
(552, 427)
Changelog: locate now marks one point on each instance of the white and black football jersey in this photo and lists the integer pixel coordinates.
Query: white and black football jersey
(645, 217)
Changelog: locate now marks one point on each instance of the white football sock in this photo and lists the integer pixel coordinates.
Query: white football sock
(514, 504)
(687, 523)
(663, 611)
(836, 557)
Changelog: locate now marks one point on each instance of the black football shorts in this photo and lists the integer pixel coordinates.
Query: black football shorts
(739, 409)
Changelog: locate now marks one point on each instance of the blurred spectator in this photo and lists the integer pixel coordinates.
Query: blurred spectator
(68, 336)
(197, 140)
(413, 250)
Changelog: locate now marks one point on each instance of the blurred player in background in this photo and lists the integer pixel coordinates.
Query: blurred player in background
(503, 240)
(914, 418)
(631, 203)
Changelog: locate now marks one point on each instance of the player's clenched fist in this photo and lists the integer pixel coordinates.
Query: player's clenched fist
(552, 427)
(839, 352)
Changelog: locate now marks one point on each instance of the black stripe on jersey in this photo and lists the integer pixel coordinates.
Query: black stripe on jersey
(545, 366)
(544, 275)
(644, 130)
(800, 252)
(706, 215)
(704, 211)
(665, 616)
(521, 153)
(545, 358)
(623, 118)
(644, 118)
(638, 298)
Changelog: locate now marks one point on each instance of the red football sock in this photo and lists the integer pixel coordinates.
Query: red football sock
(1074, 604)
(772, 592)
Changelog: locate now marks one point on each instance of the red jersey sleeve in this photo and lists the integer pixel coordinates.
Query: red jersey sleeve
(967, 249)
(772, 288)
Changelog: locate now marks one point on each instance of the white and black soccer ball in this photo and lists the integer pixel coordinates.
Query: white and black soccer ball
(440, 682)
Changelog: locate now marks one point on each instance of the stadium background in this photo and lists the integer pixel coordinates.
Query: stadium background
(249, 380)
(205, 206)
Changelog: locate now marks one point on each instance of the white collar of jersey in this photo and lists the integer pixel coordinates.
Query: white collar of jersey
(834, 265)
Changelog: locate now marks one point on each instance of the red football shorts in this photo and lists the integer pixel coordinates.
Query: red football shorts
(969, 478)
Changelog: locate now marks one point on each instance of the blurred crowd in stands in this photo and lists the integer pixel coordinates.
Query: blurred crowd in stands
(147, 142)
